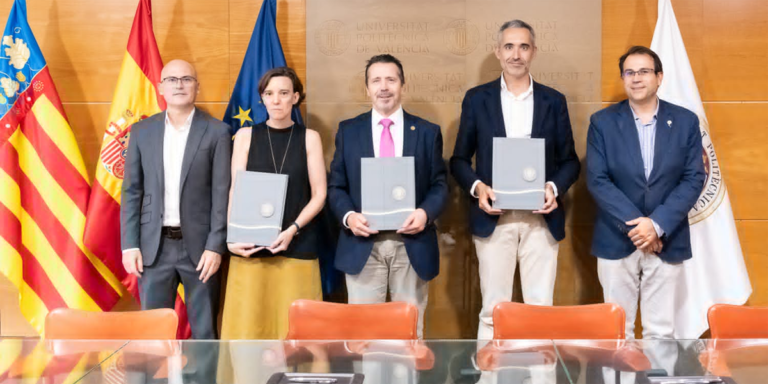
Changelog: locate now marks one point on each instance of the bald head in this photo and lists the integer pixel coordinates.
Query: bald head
(178, 84)
(178, 65)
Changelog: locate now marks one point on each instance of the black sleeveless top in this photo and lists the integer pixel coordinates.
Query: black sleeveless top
(289, 144)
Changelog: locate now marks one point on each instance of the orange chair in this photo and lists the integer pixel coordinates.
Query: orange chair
(738, 322)
(156, 328)
(515, 321)
(310, 320)
(728, 324)
(156, 324)
(523, 321)
(318, 320)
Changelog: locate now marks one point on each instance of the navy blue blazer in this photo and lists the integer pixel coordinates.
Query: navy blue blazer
(482, 120)
(616, 178)
(354, 140)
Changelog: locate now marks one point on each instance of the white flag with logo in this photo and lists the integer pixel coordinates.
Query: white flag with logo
(716, 273)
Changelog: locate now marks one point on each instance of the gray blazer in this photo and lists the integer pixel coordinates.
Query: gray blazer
(205, 179)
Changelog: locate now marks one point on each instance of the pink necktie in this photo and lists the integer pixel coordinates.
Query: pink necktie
(387, 145)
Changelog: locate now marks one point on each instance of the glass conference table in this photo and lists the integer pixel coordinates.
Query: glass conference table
(30, 360)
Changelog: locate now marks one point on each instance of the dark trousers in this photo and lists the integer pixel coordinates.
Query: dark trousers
(158, 285)
(159, 282)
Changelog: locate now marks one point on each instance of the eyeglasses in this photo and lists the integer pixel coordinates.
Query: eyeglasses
(642, 72)
(186, 80)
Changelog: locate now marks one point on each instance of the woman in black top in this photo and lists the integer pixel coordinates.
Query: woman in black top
(264, 281)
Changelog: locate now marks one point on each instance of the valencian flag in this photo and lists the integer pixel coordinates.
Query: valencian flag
(136, 97)
(43, 188)
(716, 273)
(264, 53)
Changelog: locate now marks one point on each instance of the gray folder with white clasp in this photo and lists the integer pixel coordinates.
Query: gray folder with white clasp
(518, 173)
(256, 213)
(388, 191)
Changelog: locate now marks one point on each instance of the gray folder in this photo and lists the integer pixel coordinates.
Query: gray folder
(518, 173)
(256, 214)
(388, 191)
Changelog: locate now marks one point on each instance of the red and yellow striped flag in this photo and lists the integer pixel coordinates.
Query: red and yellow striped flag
(44, 188)
(136, 97)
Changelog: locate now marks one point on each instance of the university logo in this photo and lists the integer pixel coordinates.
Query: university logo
(331, 38)
(461, 37)
(116, 144)
(714, 188)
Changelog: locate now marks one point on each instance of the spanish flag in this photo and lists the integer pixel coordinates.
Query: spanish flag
(136, 97)
(44, 188)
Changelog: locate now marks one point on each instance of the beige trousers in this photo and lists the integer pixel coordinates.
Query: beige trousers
(646, 277)
(520, 236)
(389, 269)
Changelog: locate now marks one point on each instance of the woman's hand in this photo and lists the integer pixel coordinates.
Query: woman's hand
(282, 242)
(243, 249)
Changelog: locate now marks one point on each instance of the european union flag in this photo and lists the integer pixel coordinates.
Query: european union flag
(264, 53)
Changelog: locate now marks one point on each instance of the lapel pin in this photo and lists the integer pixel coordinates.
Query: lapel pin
(669, 123)
(413, 128)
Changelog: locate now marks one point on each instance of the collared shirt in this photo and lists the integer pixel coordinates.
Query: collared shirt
(646, 133)
(518, 117)
(517, 110)
(174, 143)
(396, 129)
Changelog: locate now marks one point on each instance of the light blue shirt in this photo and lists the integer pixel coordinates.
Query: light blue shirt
(647, 135)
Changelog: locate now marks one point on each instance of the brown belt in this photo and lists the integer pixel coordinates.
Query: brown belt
(172, 232)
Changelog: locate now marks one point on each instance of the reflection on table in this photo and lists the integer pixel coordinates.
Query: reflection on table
(31, 360)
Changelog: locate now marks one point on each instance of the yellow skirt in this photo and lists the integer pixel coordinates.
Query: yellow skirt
(260, 291)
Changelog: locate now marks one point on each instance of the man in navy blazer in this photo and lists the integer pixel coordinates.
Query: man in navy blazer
(645, 172)
(405, 260)
(518, 107)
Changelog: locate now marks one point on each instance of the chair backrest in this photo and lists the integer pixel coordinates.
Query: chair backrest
(155, 324)
(317, 320)
(524, 321)
(738, 322)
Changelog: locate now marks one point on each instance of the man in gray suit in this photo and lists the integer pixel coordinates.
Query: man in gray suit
(173, 215)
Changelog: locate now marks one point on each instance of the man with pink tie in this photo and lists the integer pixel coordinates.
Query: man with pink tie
(399, 262)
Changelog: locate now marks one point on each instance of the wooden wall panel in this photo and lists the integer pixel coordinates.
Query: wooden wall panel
(727, 43)
(197, 31)
(736, 36)
(739, 132)
(625, 23)
(754, 241)
(577, 269)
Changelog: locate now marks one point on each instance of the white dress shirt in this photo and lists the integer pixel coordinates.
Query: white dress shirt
(518, 117)
(174, 143)
(517, 111)
(396, 129)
